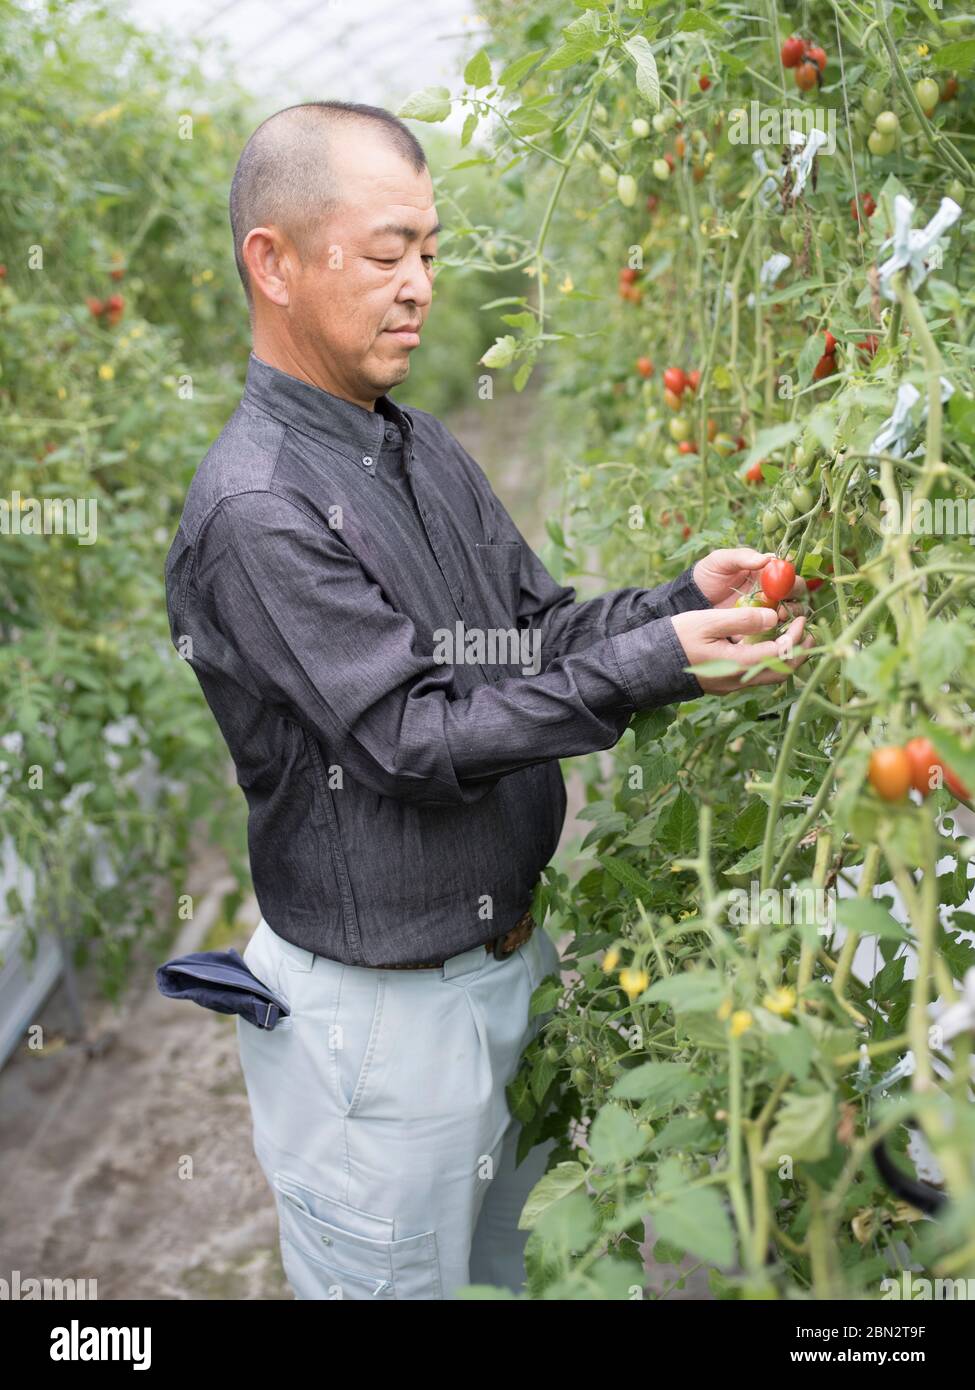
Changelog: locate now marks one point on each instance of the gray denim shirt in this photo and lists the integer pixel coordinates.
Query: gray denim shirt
(399, 763)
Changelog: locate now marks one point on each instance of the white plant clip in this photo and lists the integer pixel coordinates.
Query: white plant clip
(912, 245)
(769, 188)
(893, 434)
(960, 1017)
(905, 1067)
(947, 390)
(801, 159)
(769, 273)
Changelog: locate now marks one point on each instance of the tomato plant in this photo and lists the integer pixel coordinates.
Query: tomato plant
(755, 1044)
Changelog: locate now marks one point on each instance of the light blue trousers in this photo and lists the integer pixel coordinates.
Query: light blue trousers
(381, 1122)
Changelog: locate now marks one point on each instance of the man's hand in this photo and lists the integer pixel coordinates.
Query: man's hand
(724, 575)
(706, 635)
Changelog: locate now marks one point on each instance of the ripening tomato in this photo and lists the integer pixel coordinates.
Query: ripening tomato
(817, 56)
(778, 579)
(712, 430)
(669, 159)
(813, 584)
(685, 533)
(868, 345)
(704, 82)
(644, 366)
(793, 52)
(675, 380)
(950, 90)
(741, 442)
(671, 398)
(628, 274)
(693, 379)
(924, 760)
(830, 343)
(95, 307)
(687, 446)
(825, 367)
(890, 772)
(754, 474)
(807, 75)
(867, 205)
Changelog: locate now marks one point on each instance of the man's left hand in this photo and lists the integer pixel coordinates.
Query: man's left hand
(725, 574)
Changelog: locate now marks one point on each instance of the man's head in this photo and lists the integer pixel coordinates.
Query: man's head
(335, 234)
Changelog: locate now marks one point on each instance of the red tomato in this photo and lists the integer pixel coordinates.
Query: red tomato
(818, 56)
(890, 772)
(644, 366)
(807, 75)
(741, 442)
(704, 82)
(793, 51)
(830, 343)
(813, 584)
(826, 366)
(687, 446)
(675, 380)
(694, 379)
(653, 202)
(685, 533)
(778, 579)
(628, 274)
(868, 345)
(95, 307)
(669, 159)
(867, 205)
(924, 760)
(754, 474)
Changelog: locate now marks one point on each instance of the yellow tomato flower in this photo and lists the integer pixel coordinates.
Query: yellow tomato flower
(136, 331)
(725, 1010)
(206, 274)
(62, 393)
(741, 1021)
(611, 959)
(781, 1001)
(634, 981)
(106, 371)
(567, 285)
(923, 50)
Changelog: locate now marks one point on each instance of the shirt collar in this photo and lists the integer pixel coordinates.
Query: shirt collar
(350, 427)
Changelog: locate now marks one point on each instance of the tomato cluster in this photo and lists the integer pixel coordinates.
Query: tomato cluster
(808, 62)
(893, 770)
(110, 309)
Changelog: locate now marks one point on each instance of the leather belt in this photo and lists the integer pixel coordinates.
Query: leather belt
(498, 946)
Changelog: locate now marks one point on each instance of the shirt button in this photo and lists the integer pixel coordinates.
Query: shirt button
(367, 460)
(391, 433)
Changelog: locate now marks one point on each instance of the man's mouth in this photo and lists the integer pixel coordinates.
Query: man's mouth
(408, 334)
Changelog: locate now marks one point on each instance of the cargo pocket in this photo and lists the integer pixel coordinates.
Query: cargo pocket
(331, 1250)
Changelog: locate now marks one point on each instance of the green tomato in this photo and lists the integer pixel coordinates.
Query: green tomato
(724, 444)
(910, 123)
(887, 123)
(552, 1054)
(957, 190)
(607, 174)
(798, 239)
(873, 101)
(680, 428)
(581, 1081)
(928, 94)
(787, 509)
(579, 1054)
(861, 123)
(640, 128)
(802, 498)
(827, 232)
(771, 522)
(661, 169)
(879, 144)
(664, 120)
(626, 190)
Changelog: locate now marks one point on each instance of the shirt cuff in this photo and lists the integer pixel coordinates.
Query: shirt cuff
(652, 663)
(686, 594)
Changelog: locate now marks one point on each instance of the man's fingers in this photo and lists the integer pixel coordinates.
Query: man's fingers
(728, 622)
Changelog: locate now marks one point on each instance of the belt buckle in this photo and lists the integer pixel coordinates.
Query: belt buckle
(525, 925)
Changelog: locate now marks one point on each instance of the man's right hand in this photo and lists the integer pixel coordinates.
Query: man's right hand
(710, 635)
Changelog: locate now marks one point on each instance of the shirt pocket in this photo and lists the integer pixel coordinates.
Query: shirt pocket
(332, 1250)
(502, 562)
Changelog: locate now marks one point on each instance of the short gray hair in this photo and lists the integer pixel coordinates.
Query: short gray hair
(283, 174)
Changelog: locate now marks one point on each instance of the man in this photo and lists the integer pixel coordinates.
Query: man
(336, 555)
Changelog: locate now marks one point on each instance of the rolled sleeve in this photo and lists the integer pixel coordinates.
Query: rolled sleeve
(653, 664)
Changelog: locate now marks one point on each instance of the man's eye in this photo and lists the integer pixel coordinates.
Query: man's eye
(430, 259)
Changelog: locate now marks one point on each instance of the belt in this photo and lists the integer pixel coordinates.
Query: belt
(498, 946)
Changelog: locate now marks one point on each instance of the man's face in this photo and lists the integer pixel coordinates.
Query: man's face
(367, 273)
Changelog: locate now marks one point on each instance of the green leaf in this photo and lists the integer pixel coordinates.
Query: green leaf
(664, 1083)
(428, 104)
(628, 876)
(803, 1129)
(694, 22)
(615, 1136)
(959, 56)
(767, 441)
(651, 724)
(580, 40)
(688, 992)
(793, 1051)
(678, 827)
(520, 68)
(647, 78)
(810, 355)
(470, 125)
(478, 70)
(501, 353)
(697, 1223)
(557, 1183)
(868, 917)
